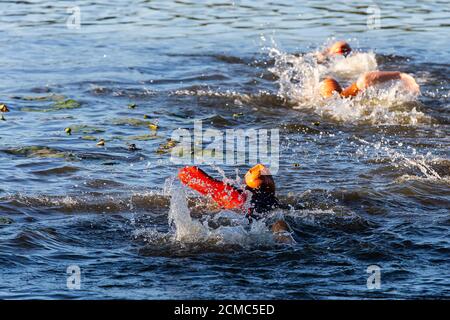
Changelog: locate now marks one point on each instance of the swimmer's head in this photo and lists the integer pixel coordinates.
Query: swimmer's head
(328, 87)
(259, 177)
(340, 48)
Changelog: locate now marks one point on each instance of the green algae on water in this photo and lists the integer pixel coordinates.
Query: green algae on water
(89, 138)
(167, 146)
(86, 129)
(143, 137)
(51, 97)
(39, 151)
(66, 104)
(59, 103)
(131, 122)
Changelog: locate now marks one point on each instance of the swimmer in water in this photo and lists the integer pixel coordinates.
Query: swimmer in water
(259, 183)
(329, 86)
(339, 48)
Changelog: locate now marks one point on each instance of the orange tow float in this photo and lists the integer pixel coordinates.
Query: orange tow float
(225, 195)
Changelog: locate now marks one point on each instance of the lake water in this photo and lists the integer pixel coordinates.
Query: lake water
(367, 181)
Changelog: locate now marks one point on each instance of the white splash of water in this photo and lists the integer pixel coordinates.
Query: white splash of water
(423, 163)
(353, 65)
(387, 105)
(186, 228)
(236, 230)
(300, 77)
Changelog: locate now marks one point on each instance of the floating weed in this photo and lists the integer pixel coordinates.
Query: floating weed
(130, 122)
(132, 106)
(59, 103)
(38, 151)
(48, 153)
(89, 138)
(85, 129)
(144, 137)
(68, 131)
(167, 146)
(237, 115)
(52, 97)
(66, 104)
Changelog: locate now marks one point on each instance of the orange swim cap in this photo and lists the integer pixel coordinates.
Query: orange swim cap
(341, 48)
(328, 86)
(260, 177)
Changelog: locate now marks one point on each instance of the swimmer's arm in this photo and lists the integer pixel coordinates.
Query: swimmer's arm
(373, 78)
(369, 79)
(378, 77)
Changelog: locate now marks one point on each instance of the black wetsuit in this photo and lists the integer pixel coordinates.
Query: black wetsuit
(262, 202)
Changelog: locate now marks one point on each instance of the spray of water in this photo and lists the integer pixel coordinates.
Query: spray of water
(186, 229)
(422, 163)
(223, 228)
(299, 79)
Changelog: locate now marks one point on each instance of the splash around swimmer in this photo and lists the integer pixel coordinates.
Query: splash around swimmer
(330, 86)
(255, 200)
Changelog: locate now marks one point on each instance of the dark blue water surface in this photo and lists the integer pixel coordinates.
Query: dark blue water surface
(363, 191)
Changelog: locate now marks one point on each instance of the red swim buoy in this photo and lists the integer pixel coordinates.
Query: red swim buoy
(225, 195)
